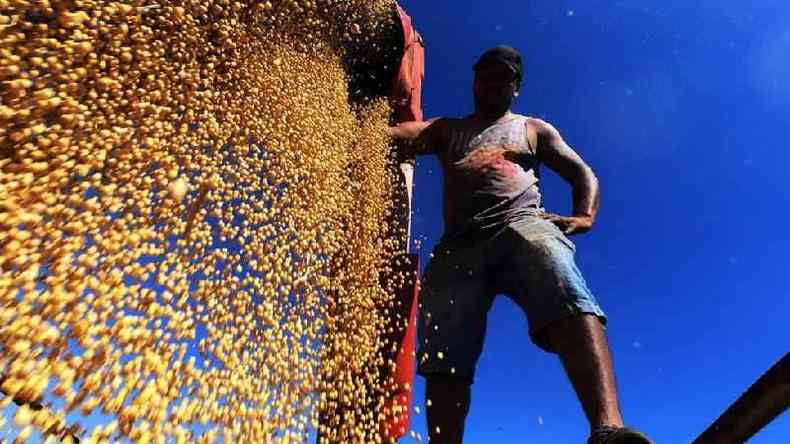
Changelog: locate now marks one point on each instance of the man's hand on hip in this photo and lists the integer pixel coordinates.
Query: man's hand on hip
(570, 225)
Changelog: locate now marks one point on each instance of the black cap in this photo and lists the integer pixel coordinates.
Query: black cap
(504, 55)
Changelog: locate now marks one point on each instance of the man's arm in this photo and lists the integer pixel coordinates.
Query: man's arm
(420, 137)
(561, 158)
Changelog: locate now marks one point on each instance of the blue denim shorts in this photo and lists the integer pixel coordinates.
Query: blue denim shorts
(531, 261)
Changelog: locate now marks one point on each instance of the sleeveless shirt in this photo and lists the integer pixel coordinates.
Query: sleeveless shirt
(491, 178)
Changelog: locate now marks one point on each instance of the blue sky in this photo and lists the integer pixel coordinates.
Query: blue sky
(680, 107)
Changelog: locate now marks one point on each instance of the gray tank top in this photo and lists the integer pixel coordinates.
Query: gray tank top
(490, 178)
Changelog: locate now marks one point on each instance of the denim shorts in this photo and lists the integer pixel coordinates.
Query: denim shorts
(531, 261)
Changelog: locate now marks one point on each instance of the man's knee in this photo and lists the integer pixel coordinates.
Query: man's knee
(447, 384)
(573, 333)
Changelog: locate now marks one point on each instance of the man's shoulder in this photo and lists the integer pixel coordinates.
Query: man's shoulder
(542, 128)
(538, 123)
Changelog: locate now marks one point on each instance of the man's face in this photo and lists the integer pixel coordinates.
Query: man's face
(494, 86)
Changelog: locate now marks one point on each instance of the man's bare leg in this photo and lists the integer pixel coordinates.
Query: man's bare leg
(449, 403)
(581, 344)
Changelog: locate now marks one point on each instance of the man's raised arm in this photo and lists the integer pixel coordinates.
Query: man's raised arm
(561, 158)
(421, 137)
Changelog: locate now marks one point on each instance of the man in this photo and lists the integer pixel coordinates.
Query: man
(499, 240)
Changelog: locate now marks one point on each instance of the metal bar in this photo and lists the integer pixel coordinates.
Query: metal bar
(763, 402)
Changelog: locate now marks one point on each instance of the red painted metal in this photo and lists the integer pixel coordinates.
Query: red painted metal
(406, 98)
(406, 300)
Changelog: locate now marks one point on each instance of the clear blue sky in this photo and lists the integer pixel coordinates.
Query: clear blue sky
(681, 107)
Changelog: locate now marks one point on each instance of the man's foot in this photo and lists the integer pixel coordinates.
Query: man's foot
(618, 435)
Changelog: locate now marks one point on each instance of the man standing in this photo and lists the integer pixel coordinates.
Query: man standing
(499, 240)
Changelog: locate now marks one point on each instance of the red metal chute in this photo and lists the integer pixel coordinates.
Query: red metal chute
(406, 100)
